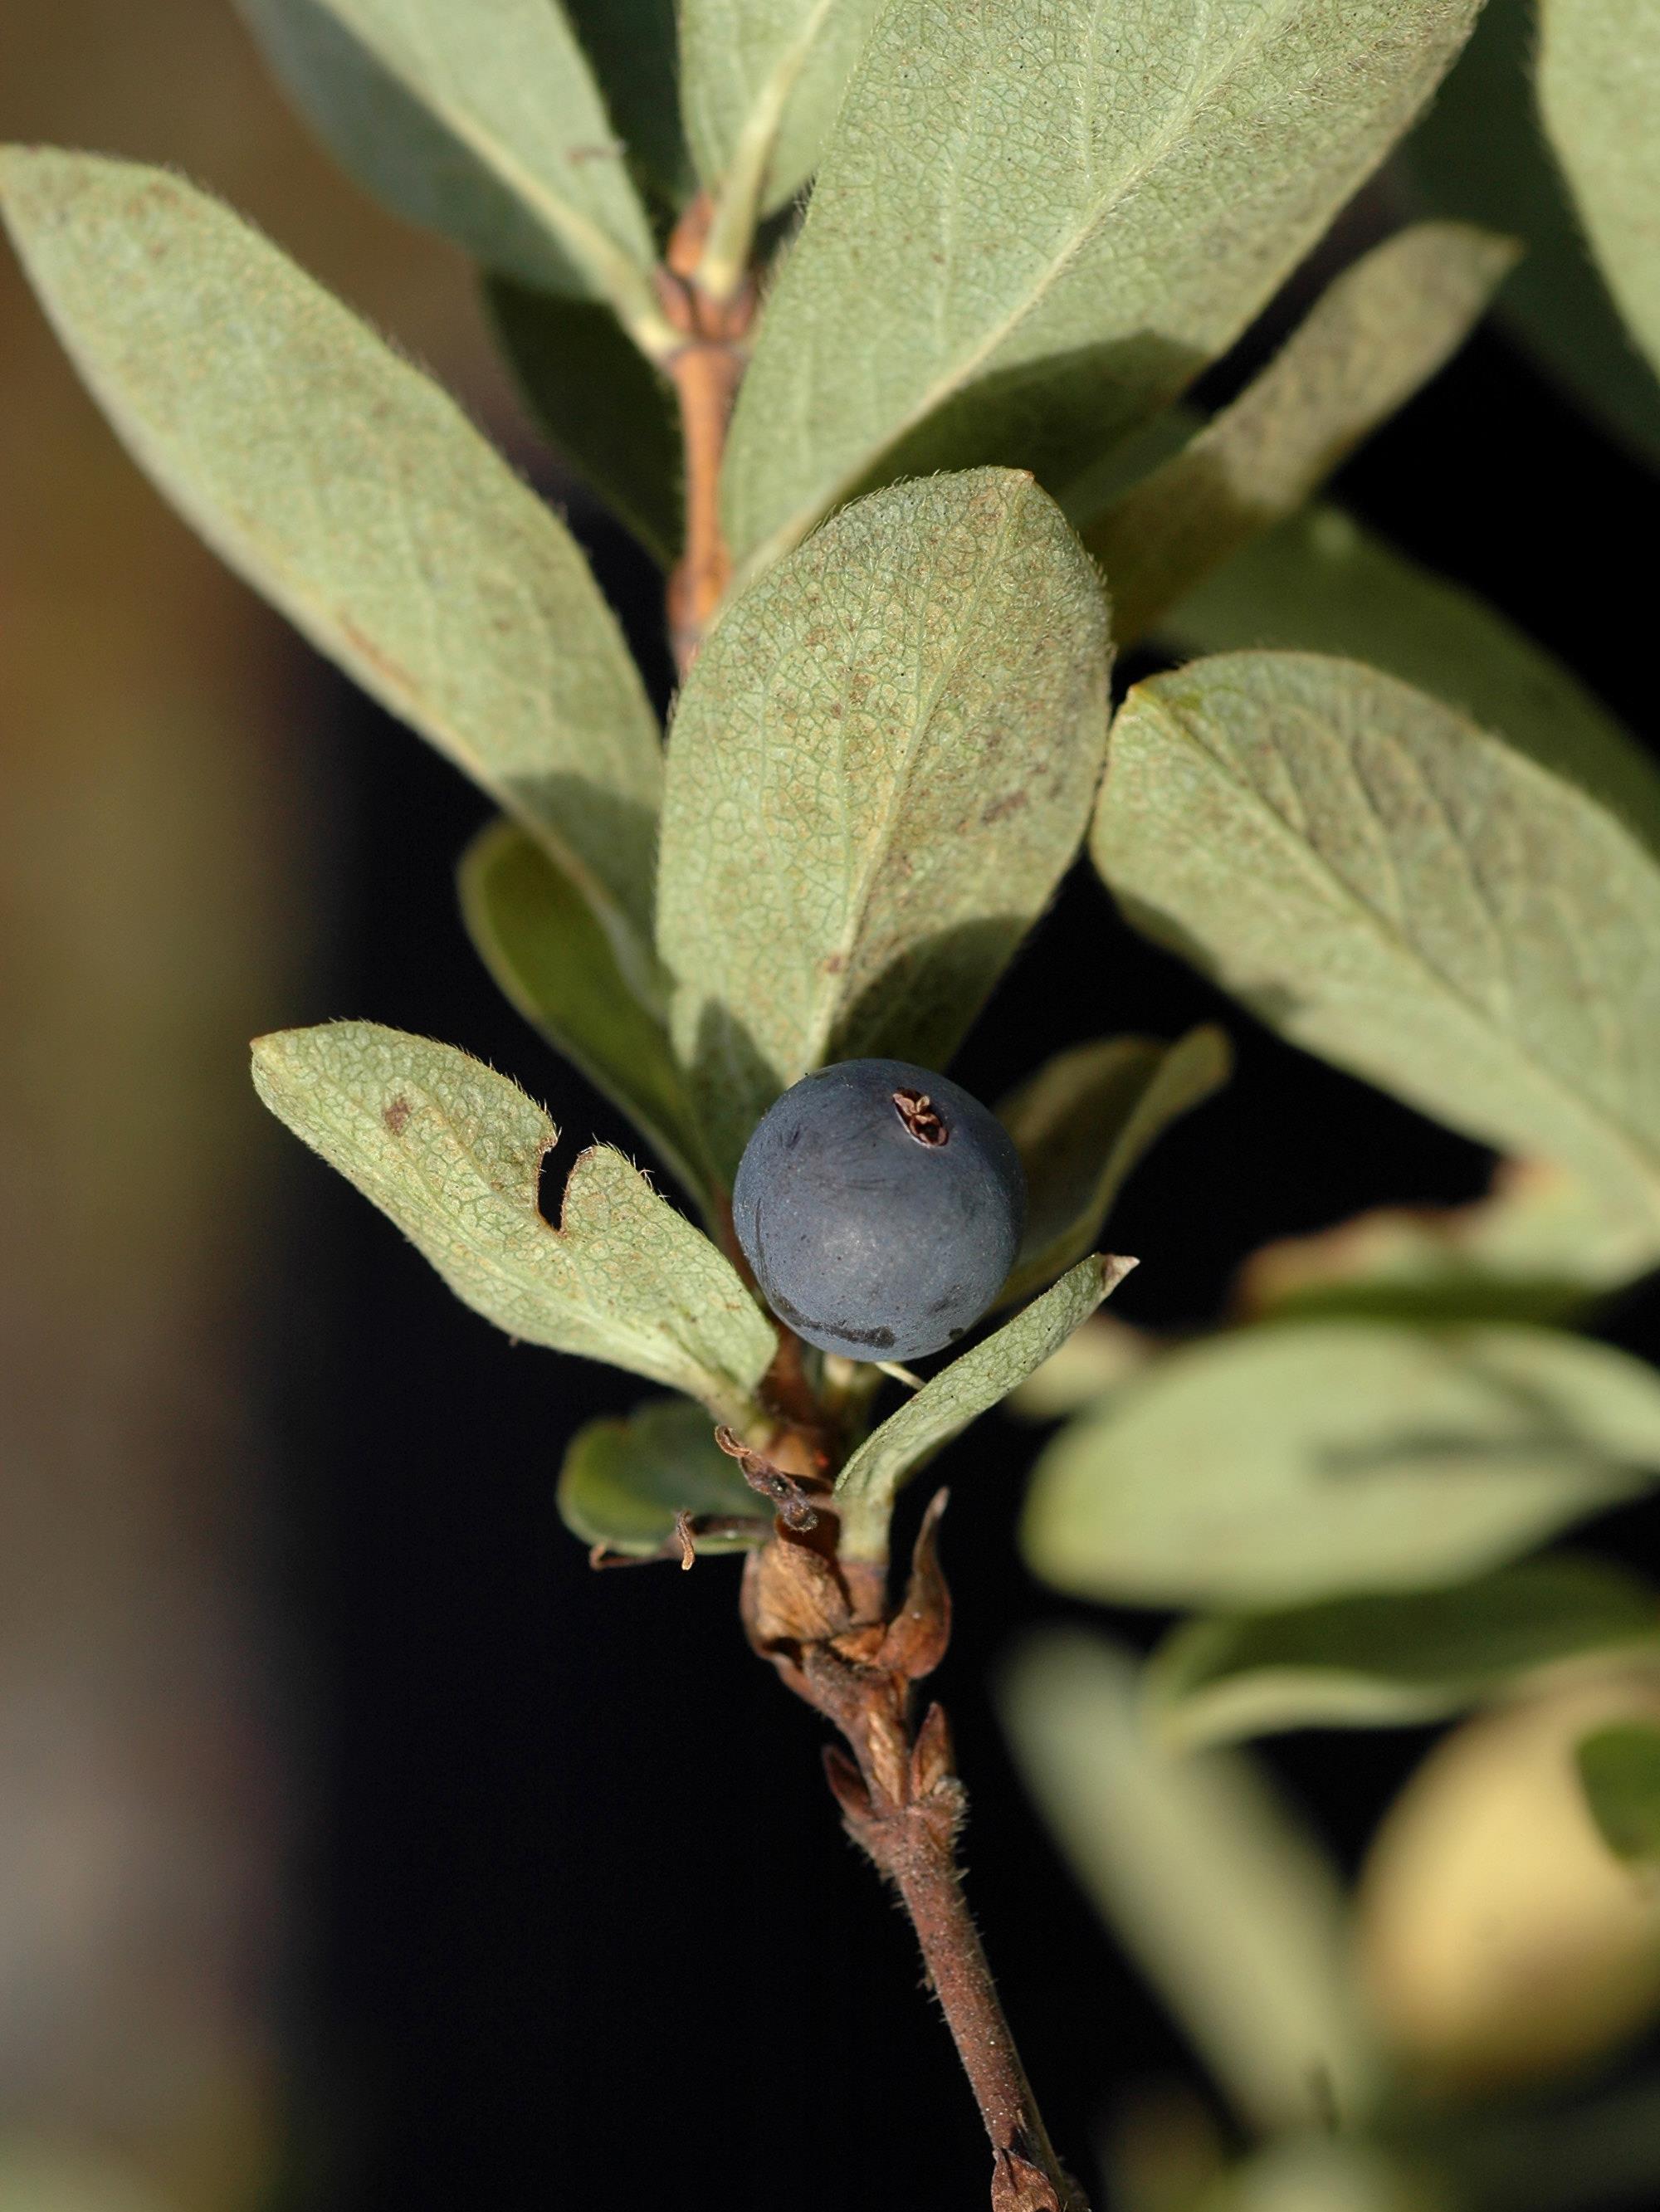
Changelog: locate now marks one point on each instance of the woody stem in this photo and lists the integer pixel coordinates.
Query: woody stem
(705, 369)
(920, 1862)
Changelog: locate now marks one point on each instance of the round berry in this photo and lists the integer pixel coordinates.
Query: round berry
(881, 1208)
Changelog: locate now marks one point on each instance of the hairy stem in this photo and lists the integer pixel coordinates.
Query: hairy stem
(827, 1626)
(1026, 2175)
(706, 368)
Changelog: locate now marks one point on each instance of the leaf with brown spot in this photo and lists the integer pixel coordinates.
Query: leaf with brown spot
(452, 1154)
(842, 872)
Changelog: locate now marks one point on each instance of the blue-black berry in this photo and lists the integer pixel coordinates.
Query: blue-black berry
(880, 1207)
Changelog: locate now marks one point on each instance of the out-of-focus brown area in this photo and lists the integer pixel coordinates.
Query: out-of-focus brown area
(163, 820)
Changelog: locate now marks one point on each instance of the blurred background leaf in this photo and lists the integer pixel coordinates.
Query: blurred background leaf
(1369, 1662)
(1297, 1460)
(1228, 1906)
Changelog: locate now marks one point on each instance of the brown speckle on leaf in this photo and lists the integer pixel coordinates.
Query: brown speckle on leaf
(1010, 803)
(396, 1114)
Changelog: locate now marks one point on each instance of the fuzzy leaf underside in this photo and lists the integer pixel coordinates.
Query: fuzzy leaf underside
(880, 765)
(483, 122)
(1599, 92)
(1083, 1122)
(1370, 1661)
(1278, 1465)
(1037, 220)
(452, 1153)
(351, 491)
(958, 1394)
(623, 1482)
(1228, 1905)
(1390, 887)
(546, 949)
(770, 69)
(1384, 328)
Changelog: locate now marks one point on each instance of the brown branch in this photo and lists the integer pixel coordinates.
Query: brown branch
(828, 1631)
(706, 372)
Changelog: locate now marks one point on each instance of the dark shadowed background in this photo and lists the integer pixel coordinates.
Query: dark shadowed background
(358, 1848)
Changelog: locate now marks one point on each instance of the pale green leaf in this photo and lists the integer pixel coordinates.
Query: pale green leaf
(761, 82)
(1536, 1247)
(1387, 885)
(1379, 1661)
(959, 1394)
(543, 945)
(1619, 1772)
(1385, 327)
(483, 122)
(1479, 152)
(452, 1154)
(609, 415)
(1304, 1460)
(1319, 2171)
(349, 489)
(1083, 1122)
(1599, 92)
(1037, 220)
(1321, 584)
(1199, 1870)
(623, 1483)
(880, 768)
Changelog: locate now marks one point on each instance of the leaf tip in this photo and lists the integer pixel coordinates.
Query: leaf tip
(1114, 1267)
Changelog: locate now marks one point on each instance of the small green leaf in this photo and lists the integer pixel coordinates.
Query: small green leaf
(1033, 225)
(1536, 1248)
(452, 1154)
(607, 411)
(880, 768)
(1385, 327)
(959, 1394)
(1387, 885)
(1383, 1661)
(543, 945)
(1619, 1772)
(349, 489)
(762, 81)
(1599, 89)
(623, 1482)
(1321, 584)
(1305, 1460)
(483, 122)
(1083, 1122)
(1198, 1869)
